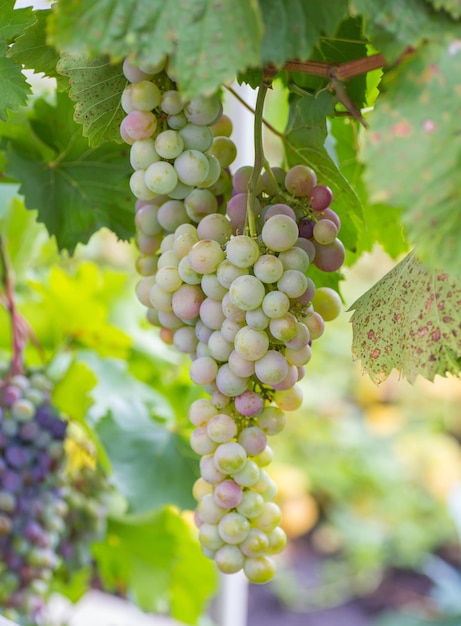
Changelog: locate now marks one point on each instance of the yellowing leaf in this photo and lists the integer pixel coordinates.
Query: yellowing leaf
(409, 320)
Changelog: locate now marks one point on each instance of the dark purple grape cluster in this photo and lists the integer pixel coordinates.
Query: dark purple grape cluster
(32, 508)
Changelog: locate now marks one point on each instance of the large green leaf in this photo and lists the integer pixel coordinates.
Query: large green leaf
(409, 320)
(15, 88)
(157, 558)
(13, 21)
(75, 189)
(210, 42)
(292, 27)
(413, 155)
(396, 25)
(96, 86)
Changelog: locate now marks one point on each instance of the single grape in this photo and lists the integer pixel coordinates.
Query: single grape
(300, 180)
(320, 197)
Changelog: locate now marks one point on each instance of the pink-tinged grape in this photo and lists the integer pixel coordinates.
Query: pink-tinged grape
(211, 313)
(138, 186)
(169, 144)
(275, 304)
(251, 344)
(271, 187)
(185, 340)
(139, 124)
(143, 154)
(249, 403)
(240, 366)
(203, 110)
(327, 303)
(221, 428)
(231, 311)
(308, 294)
(168, 278)
(259, 569)
(133, 73)
(236, 211)
(272, 420)
(167, 259)
(205, 256)
(290, 379)
(298, 357)
(279, 233)
(160, 177)
(146, 220)
(315, 324)
(234, 528)
(200, 203)
(293, 283)
(255, 544)
(188, 275)
(171, 215)
(228, 383)
(320, 197)
(176, 122)
(169, 320)
(229, 559)
(196, 137)
(242, 251)
(200, 442)
(257, 319)
(331, 215)
(300, 180)
(203, 370)
(247, 292)
(215, 226)
(143, 288)
(266, 457)
(202, 331)
(186, 301)
(181, 191)
(229, 329)
(227, 272)
(125, 136)
(272, 368)
(289, 399)
(145, 95)
(228, 494)
(251, 505)
(209, 471)
(325, 232)
(218, 347)
(212, 288)
(268, 268)
(307, 246)
(209, 511)
(306, 228)
(146, 265)
(223, 127)
(171, 102)
(329, 258)
(191, 167)
(224, 149)
(301, 338)
(284, 328)
(279, 209)
(249, 475)
(230, 458)
(241, 178)
(295, 259)
(160, 299)
(253, 440)
(270, 517)
(209, 536)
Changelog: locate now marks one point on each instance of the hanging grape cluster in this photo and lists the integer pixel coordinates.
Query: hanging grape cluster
(37, 500)
(226, 278)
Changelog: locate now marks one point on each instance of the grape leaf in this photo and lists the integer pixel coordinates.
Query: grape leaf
(75, 189)
(14, 21)
(292, 27)
(406, 164)
(209, 42)
(304, 143)
(453, 7)
(409, 320)
(15, 88)
(156, 556)
(96, 86)
(395, 25)
(31, 49)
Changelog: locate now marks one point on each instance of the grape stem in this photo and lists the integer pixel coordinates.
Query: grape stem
(259, 159)
(17, 326)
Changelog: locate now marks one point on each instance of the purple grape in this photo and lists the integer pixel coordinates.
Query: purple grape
(306, 228)
(12, 481)
(16, 456)
(320, 197)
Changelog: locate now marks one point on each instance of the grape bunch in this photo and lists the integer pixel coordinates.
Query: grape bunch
(229, 285)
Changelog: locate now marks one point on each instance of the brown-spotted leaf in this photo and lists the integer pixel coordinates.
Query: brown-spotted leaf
(409, 320)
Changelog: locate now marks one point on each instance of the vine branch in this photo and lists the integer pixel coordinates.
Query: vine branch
(259, 159)
(340, 71)
(10, 305)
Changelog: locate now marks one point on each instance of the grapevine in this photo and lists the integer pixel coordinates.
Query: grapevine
(225, 276)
